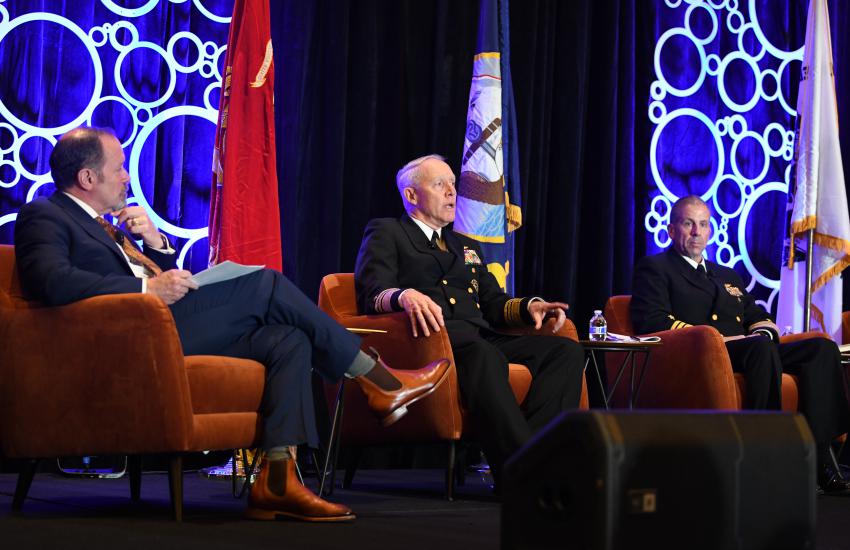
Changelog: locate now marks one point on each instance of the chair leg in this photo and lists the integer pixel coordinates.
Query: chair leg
(351, 464)
(450, 473)
(134, 466)
(24, 483)
(175, 486)
(332, 453)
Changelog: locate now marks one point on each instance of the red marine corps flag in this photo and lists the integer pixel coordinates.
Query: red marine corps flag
(244, 213)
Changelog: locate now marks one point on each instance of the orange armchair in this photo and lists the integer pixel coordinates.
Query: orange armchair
(440, 417)
(107, 376)
(691, 370)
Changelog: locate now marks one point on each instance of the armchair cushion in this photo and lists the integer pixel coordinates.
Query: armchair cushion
(106, 375)
(692, 369)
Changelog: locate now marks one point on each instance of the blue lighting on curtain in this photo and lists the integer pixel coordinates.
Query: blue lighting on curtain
(151, 71)
(722, 106)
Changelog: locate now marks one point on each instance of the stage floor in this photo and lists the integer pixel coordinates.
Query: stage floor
(395, 508)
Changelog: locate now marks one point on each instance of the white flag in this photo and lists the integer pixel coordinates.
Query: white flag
(820, 200)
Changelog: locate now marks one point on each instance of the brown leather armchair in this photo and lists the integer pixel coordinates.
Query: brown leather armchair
(440, 417)
(691, 370)
(107, 376)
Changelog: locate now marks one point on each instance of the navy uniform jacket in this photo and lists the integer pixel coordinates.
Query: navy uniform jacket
(668, 293)
(395, 255)
(64, 255)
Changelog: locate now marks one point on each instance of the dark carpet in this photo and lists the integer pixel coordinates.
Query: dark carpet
(395, 508)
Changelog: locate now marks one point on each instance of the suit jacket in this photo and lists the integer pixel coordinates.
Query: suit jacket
(64, 255)
(668, 293)
(396, 255)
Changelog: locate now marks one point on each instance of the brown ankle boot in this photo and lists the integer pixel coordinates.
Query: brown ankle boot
(278, 494)
(391, 405)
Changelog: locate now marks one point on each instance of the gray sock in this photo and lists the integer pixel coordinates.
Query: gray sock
(280, 453)
(361, 365)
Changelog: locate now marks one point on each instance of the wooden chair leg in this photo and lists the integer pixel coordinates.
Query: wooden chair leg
(354, 454)
(24, 483)
(175, 486)
(450, 473)
(134, 468)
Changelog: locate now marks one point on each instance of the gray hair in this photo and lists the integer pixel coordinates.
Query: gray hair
(409, 174)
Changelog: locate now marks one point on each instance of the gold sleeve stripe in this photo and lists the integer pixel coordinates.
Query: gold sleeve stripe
(512, 312)
(680, 324)
(383, 300)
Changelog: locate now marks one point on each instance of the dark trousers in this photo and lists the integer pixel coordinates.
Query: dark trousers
(815, 362)
(482, 357)
(264, 317)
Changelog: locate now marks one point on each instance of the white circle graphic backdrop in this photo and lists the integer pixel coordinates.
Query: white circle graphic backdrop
(176, 74)
(723, 130)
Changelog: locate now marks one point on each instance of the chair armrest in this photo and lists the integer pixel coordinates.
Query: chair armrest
(102, 375)
(802, 336)
(691, 369)
(396, 344)
(435, 418)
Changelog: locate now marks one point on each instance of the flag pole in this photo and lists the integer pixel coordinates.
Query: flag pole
(807, 305)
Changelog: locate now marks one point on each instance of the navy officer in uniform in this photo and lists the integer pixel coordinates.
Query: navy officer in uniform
(679, 288)
(418, 264)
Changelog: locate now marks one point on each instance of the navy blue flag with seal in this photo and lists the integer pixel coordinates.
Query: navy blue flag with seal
(488, 204)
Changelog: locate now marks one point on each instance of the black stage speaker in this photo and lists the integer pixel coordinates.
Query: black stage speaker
(659, 480)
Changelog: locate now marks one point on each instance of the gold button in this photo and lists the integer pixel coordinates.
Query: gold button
(713, 316)
(445, 282)
(469, 290)
(452, 301)
(477, 305)
(738, 318)
(473, 270)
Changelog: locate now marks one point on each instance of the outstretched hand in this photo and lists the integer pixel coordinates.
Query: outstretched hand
(541, 310)
(424, 313)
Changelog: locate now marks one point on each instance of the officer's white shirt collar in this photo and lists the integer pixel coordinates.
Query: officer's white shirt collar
(427, 229)
(693, 264)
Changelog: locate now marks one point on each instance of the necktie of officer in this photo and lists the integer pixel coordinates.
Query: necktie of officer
(128, 246)
(702, 270)
(437, 242)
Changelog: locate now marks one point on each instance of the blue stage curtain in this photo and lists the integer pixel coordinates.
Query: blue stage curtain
(362, 87)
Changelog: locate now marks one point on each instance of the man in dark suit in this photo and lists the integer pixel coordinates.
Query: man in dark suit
(440, 278)
(66, 252)
(679, 288)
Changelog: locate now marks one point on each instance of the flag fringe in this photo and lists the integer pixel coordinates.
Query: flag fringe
(833, 271)
(513, 214)
(818, 315)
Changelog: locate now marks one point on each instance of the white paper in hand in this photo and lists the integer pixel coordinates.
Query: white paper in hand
(224, 271)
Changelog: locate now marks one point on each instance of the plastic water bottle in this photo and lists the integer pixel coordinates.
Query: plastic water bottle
(598, 326)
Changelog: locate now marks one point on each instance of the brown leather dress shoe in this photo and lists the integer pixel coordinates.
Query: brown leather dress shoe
(278, 494)
(390, 406)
